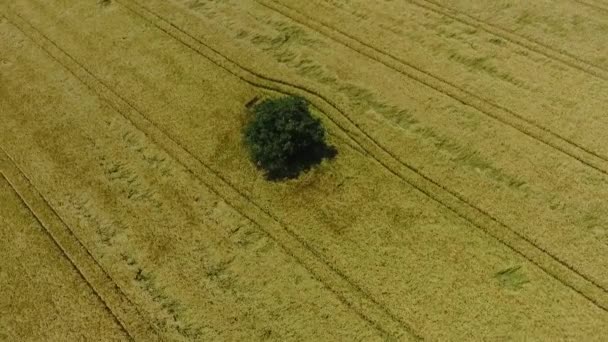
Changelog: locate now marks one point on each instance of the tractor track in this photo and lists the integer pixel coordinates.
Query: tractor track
(528, 43)
(114, 299)
(489, 108)
(597, 5)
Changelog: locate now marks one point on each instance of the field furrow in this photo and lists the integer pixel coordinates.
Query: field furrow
(79, 256)
(47, 295)
(535, 42)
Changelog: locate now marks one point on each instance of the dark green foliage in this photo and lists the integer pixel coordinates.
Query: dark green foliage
(283, 137)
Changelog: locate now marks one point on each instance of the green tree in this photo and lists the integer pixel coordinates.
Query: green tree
(284, 138)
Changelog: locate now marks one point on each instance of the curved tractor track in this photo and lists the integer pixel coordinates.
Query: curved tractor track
(487, 107)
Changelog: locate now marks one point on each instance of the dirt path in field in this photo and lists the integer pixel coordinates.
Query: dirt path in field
(386, 242)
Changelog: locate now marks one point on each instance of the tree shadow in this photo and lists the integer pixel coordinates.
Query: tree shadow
(302, 162)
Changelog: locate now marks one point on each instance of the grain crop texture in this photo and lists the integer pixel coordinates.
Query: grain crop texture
(467, 200)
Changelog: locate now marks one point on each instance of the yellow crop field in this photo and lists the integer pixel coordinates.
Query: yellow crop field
(467, 200)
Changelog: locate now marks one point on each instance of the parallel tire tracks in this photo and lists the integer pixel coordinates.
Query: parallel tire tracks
(489, 108)
(347, 291)
(526, 42)
(545, 260)
(124, 312)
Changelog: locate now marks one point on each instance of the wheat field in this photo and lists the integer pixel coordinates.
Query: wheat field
(467, 201)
